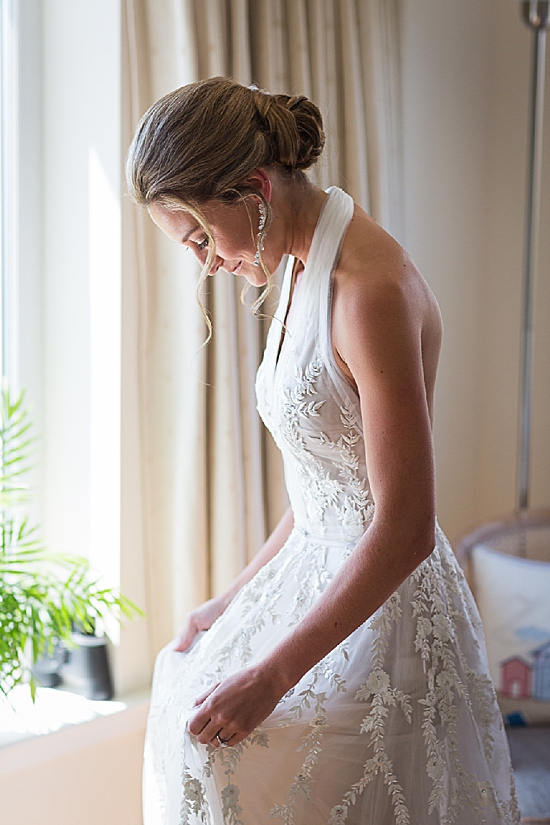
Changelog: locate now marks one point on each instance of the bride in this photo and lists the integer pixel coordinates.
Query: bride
(342, 678)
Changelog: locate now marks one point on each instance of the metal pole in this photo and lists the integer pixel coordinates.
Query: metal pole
(536, 15)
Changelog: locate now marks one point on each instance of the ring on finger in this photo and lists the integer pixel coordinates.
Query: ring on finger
(221, 742)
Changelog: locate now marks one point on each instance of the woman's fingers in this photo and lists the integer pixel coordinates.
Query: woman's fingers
(207, 721)
(200, 699)
(186, 637)
(202, 618)
(203, 726)
(223, 740)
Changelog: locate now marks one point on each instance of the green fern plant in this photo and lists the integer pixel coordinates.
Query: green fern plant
(42, 595)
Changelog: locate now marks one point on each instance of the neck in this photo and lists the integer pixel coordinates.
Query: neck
(297, 204)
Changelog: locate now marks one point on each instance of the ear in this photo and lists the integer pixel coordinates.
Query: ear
(260, 180)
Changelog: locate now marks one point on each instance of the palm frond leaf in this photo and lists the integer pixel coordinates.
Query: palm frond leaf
(43, 595)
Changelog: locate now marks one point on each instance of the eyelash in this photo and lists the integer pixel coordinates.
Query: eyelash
(202, 244)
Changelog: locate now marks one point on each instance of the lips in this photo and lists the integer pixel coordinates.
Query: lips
(237, 269)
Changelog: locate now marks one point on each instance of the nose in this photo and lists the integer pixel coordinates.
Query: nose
(217, 263)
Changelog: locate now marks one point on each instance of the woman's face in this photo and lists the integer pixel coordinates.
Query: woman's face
(234, 227)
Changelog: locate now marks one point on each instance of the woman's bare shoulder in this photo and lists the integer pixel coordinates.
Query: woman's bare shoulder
(382, 306)
(374, 271)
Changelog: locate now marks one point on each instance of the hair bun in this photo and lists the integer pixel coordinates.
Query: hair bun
(293, 129)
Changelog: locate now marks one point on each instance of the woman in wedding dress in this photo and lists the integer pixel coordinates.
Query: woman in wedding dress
(342, 679)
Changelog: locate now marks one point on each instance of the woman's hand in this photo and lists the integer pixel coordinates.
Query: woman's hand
(233, 708)
(202, 618)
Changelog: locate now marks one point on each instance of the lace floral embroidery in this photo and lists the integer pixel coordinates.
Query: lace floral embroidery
(454, 790)
(349, 496)
(312, 744)
(194, 800)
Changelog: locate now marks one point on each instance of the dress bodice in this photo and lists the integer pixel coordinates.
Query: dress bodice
(306, 401)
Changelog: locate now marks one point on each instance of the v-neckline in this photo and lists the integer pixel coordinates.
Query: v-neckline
(296, 275)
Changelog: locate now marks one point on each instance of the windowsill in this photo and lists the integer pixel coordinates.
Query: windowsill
(61, 722)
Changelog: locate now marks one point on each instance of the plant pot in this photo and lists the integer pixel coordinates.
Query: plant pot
(87, 671)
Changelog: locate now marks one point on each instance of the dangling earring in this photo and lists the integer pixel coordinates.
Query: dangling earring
(259, 238)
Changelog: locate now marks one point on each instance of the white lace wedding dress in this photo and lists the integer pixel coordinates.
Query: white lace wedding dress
(399, 724)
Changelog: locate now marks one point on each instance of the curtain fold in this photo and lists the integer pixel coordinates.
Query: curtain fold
(211, 477)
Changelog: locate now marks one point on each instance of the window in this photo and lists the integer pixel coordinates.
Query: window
(61, 281)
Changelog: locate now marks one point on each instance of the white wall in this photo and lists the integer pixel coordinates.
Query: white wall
(466, 80)
(88, 774)
(503, 260)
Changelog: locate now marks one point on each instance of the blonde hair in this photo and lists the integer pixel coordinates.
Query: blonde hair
(202, 141)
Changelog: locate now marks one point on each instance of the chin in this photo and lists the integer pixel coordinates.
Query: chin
(256, 278)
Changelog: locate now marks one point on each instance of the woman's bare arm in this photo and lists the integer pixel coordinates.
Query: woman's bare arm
(265, 554)
(204, 616)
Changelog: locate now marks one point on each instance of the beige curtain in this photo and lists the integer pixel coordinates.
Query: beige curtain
(211, 478)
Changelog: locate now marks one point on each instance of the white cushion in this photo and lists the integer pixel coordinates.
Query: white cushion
(513, 596)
